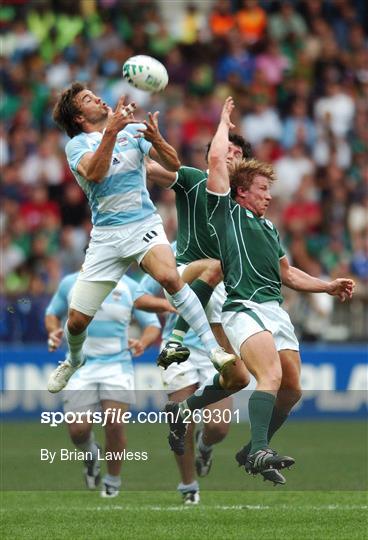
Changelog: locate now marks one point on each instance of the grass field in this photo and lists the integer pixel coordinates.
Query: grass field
(324, 498)
(146, 515)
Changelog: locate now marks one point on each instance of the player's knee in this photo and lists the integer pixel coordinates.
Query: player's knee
(169, 280)
(271, 380)
(114, 431)
(77, 321)
(79, 433)
(237, 383)
(213, 273)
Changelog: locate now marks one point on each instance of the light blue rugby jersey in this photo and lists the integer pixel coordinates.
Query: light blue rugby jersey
(148, 285)
(122, 197)
(107, 334)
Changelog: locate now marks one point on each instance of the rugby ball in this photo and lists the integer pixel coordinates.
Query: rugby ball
(145, 73)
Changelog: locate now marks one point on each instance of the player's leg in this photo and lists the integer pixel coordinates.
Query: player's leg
(115, 442)
(261, 358)
(203, 276)
(87, 297)
(290, 390)
(210, 391)
(101, 270)
(215, 428)
(288, 395)
(216, 387)
(83, 438)
(235, 376)
(80, 397)
(160, 263)
(188, 487)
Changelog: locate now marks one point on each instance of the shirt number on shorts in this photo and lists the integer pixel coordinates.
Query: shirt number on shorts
(147, 237)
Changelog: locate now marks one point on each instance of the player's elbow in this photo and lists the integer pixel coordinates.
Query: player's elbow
(215, 158)
(96, 179)
(287, 279)
(174, 166)
(139, 303)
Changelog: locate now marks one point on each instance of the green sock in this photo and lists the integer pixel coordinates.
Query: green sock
(260, 411)
(277, 419)
(204, 293)
(210, 392)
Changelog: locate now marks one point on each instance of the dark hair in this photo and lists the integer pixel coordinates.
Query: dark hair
(66, 110)
(238, 140)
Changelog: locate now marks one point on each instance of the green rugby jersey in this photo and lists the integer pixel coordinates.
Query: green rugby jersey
(195, 240)
(250, 251)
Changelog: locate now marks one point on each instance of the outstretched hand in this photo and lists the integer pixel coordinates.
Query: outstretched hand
(341, 287)
(151, 132)
(122, 116)
(227, 109)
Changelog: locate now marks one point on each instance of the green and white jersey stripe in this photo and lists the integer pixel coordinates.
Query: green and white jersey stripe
(195, 239)
(250, 252)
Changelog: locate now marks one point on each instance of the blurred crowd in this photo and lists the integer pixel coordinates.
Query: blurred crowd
(298, 71)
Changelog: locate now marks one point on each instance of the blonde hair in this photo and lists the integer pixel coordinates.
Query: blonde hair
(242, 173)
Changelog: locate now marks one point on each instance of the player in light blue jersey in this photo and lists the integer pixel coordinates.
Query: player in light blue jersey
(106, 155)
(106, 381)
(181, 380)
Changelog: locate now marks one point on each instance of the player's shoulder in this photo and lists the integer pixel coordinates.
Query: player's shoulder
(77, 139)
(188, 177)
(192, 171)
(77, 143)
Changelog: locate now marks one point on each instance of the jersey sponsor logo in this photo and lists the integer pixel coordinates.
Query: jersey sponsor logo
(123, 141)
(149, 236)
(269, 224)
(115, 161)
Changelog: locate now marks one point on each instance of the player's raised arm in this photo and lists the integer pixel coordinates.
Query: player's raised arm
(218, 177)
(161, 150)
(94, 165)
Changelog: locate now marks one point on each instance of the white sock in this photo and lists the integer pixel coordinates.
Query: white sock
(185, 488)
(114, 481)
(75, 345)
(190, 308)
(203, 447)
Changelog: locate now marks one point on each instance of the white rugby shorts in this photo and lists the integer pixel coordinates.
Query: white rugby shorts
(96, 381)
(196, 370)
(112, 249)
(239, 326)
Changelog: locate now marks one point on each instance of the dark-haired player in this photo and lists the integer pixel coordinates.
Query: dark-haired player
(259, 330)
(197, 254)
(106, 155)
